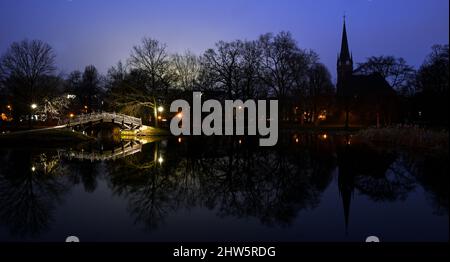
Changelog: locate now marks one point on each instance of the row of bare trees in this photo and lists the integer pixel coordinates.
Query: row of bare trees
(269, 67)
(272, 66)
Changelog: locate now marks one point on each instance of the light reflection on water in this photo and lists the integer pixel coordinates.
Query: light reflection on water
(311, 187)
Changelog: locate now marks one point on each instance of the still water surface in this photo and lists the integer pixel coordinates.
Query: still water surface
(311, 187)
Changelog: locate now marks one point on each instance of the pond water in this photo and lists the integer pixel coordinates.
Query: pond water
(310, 187)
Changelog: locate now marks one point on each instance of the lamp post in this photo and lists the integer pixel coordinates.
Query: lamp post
(71, 115)
(160, 109)
(33, 107)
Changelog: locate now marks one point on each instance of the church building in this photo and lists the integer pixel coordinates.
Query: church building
(363, 100)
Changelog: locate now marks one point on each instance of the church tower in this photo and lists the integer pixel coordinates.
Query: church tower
(344, 63)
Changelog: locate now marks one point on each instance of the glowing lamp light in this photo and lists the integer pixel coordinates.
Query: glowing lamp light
(180, 115)
(71, 115)
(33, 168)
(296, 140)
(160, 109)
(324, 136)
(160, 160)
(9, 107)
(159, 117)
(33, 106)
(179, 140)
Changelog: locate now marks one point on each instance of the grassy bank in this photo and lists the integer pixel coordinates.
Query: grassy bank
(407, 136)
(46, 137)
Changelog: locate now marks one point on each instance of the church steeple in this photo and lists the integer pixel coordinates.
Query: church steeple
(345, 52)
(344, 63)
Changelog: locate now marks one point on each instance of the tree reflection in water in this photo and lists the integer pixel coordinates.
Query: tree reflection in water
(31, 186)
(432, 172)
(235, 179)
(231, 176)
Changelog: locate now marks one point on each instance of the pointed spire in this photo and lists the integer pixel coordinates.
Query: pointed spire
(345, 53)
(346, 200)
(345, 187)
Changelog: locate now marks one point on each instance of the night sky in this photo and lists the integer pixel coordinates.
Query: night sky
(101, 32)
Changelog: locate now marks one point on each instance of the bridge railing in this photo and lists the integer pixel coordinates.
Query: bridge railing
(106, 117)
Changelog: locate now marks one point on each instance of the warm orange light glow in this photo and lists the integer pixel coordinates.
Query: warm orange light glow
(85, 107)
(296, 140)
(159, 117)
(324, 136)
(322, 115)
(9, 107)
(179, 140)
(180, 115)
(240, 141)
(71, 115)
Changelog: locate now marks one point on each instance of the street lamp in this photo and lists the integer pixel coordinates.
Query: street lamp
(160, 109)
(33, 107)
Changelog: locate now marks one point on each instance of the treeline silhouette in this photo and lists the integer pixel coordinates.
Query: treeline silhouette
(272, 66)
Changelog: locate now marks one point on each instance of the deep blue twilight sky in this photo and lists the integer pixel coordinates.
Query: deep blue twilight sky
(100, 32)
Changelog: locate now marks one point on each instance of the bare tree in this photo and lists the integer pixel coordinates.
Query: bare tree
(320, 89)
(22, 69)
(90, 90)
(187, 69)
(117, 73)
(221, 65)
(152, 59)
(27, 61)
(251, 85)
(396, 71)
(279, 52)
(433, 83)
(433, 75)
(284, 67)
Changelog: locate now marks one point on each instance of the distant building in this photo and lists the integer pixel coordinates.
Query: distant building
(362, 99)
